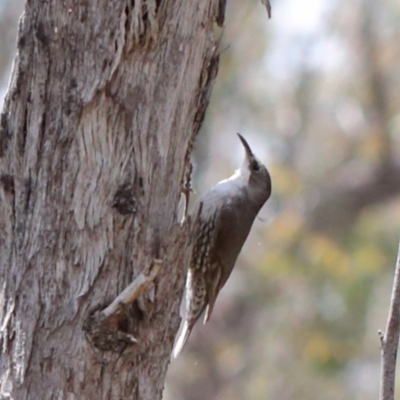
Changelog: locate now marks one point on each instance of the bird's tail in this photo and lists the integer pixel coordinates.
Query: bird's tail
(182, 338)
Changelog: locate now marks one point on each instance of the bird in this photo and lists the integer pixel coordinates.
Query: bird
(225, 215)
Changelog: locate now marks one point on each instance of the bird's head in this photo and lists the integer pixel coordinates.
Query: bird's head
(255, 173)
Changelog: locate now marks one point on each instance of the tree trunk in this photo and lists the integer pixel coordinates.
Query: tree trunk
(104, 102)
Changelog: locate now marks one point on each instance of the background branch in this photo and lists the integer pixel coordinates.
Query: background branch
(390, 340)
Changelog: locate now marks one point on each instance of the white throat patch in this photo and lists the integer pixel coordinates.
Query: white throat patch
(241, 175)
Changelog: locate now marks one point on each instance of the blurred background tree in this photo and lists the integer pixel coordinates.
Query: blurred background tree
(316, 92)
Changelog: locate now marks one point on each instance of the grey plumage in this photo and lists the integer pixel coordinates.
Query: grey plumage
(226, 212)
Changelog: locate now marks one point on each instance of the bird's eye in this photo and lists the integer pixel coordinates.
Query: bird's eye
(255, 166)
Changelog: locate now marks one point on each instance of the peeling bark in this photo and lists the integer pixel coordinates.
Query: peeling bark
(103, 105)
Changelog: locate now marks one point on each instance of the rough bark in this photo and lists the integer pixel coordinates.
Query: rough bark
(103, 105)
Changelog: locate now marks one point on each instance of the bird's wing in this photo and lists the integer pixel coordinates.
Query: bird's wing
(216, 273)
(213, 288)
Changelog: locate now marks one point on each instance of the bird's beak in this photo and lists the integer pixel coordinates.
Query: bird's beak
(249, 154)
